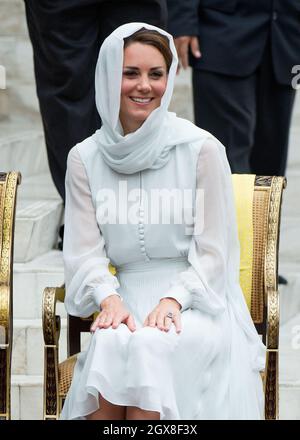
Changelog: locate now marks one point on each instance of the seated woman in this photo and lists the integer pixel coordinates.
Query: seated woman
(151, 194)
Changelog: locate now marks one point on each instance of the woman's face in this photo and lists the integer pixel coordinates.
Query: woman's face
(144, 82)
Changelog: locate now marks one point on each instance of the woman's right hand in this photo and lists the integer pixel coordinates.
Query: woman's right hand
(112, 313)
(182, 46)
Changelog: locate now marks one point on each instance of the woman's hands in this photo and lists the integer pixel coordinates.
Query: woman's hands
(158, 317)
(113, 312)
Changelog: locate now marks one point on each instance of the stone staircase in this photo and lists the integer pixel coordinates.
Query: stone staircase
(39, 210)
(38, 263)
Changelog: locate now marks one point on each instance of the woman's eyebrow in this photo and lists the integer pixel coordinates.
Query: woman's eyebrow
(137, 68)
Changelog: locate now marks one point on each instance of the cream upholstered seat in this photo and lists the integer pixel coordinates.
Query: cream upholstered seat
(8, 192)
(263, 225)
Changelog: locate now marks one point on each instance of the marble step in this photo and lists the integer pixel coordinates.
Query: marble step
(12, 13)
(16, 55)
(29, 282)
(182, 99)
(290, 207)
(28, 344)
(294, 154)
(289, 247)
(37, 187)
(23, 151)
(289, 371)
(27, 397)
(289, 294)
(4, 107)
(289, 402)
(36, 230)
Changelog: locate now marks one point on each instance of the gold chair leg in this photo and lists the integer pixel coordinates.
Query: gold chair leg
(271, 392)
(5, 384)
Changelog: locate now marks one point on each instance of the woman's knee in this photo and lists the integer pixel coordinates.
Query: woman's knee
(152, 339)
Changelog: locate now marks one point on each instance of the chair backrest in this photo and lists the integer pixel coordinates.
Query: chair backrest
(266, 210)
(8, 192)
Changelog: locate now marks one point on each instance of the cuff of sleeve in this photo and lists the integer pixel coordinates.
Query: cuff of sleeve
(181, 294)
(102, 292)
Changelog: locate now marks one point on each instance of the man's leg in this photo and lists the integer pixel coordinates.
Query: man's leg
(274, 111)
(116, 13)
(225, 106)
(65, 40)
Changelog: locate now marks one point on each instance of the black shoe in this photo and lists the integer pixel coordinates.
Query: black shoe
(282, 280)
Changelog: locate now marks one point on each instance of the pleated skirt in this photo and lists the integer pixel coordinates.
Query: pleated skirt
(185, 376)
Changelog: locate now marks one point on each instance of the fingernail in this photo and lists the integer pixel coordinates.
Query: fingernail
(198, 54)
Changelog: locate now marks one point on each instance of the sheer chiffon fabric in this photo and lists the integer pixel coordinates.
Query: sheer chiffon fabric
(211, 369)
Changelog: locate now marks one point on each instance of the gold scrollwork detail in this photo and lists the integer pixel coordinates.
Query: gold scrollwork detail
(272, 262)
(8, 197)
(49, 302)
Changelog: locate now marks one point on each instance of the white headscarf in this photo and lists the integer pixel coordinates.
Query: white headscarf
(149, 146)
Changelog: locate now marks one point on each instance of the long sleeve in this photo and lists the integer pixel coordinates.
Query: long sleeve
(183, 17)
(203, 284)
(87, 276)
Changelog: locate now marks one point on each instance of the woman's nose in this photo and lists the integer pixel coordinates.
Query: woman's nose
(144, 84)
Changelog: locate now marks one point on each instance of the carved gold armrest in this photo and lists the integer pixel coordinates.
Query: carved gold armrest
(51, 322)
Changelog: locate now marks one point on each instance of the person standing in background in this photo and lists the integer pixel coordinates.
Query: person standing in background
(66, 36)
(242, 53)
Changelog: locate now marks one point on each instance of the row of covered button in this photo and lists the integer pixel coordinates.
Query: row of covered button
(142, 233)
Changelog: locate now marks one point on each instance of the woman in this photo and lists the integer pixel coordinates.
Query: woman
(174, 338)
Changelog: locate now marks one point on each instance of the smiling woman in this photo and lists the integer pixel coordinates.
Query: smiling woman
(144, 81)
(173, 338)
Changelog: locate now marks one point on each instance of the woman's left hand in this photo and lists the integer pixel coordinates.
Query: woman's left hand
(158, 317)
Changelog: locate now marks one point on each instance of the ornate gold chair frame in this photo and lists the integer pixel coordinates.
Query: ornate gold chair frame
(264, 308)
(8, 193)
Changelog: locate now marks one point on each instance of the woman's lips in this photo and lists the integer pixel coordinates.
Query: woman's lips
(141, 101)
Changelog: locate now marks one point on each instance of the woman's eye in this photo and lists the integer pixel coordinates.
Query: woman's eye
(157, 74)
(130, 73)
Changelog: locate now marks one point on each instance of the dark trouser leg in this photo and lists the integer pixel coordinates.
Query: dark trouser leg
(66, 37)
(225, 106)
(116, 13)
(274, 110)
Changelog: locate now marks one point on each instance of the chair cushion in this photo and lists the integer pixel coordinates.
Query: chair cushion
(243, 186)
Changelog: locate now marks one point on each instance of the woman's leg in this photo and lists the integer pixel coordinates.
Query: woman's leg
(135, 413)
(108, 411)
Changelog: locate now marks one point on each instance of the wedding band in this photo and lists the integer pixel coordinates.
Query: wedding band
(170, 315)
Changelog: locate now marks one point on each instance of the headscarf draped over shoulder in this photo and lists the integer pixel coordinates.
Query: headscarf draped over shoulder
(150, 145)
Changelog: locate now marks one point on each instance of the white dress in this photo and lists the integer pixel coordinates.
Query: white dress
(211, 369)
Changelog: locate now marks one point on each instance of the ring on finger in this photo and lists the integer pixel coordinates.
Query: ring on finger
(170, 315)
